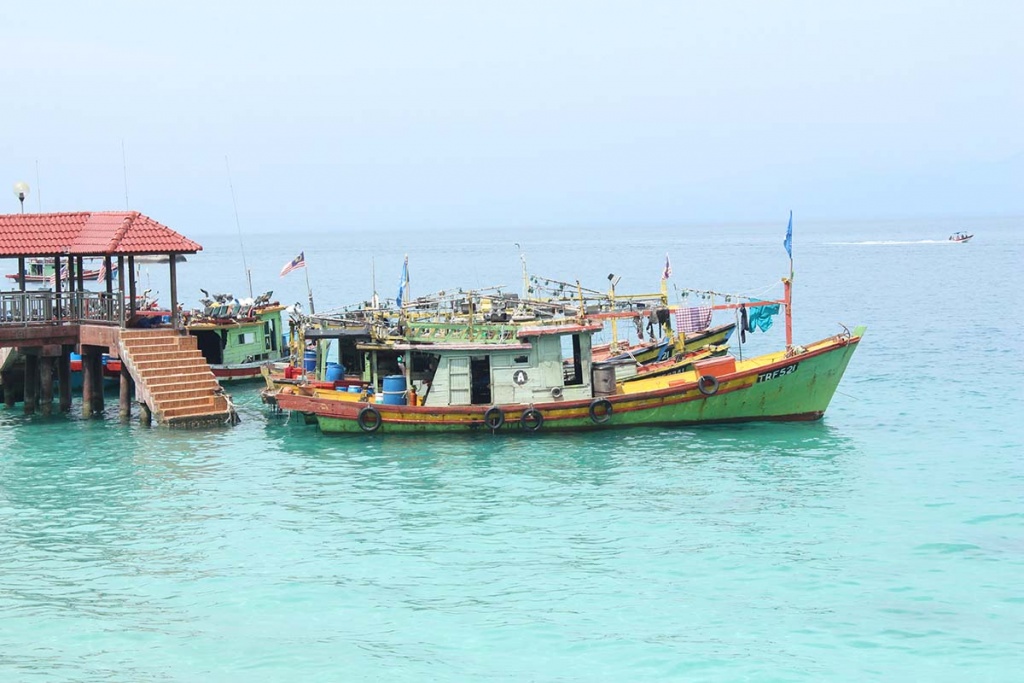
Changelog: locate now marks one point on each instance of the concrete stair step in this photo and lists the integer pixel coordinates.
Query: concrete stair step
(152, 348)
(163, 397)
(142, 336)
(144, 366)
(176, 375)
(193, 411)
(207, 383)
(165, 354)
(188, 404)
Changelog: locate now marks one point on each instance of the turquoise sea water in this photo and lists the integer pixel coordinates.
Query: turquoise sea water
(885, 542)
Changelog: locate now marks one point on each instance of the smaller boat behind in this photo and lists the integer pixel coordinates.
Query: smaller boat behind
(236, 338)
(960, 237)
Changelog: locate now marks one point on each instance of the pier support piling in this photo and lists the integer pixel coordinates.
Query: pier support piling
(88, 368)
(145, 415)
(97, 379)
(64, 378)
(125, 403)
(7, 377)
(46, 385)
(31, 382)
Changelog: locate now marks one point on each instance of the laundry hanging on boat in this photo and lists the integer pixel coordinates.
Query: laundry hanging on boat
(760, 317)
(696, 319)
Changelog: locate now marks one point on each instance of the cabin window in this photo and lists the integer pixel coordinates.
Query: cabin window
(246, 337)
(269, 335)
(521, 359)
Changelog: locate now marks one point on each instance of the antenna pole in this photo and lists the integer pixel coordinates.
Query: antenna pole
(238, 224)
(526, 275)
(374, 301)
(124, 164)
(309, 291)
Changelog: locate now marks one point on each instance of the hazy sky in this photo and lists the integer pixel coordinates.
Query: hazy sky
(347, 116)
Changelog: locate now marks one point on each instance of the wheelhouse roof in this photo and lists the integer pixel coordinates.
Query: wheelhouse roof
(558, 330)
(85, 233)
(468, 346)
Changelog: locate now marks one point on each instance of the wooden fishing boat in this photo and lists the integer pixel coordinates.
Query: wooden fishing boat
(509, 364)
(522, 386)
(41, 270)
(237, 339)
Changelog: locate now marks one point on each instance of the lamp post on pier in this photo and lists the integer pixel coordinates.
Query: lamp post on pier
(21, 191)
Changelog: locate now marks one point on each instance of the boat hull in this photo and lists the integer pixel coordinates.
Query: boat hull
(241, 372)
(777, 387)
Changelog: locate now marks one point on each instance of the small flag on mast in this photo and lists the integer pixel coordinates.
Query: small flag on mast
(297, 262)
(403, 283)
(788, 242)
(102, 273)
(667, 273)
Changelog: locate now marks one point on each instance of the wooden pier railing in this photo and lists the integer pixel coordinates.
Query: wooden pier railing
(52, 308)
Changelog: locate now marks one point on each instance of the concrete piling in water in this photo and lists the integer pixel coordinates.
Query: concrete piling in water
(87, 382)
(97, 378)
(7, 378)
(31, 383)
(64, 379)
(125, 402)
(46, 385)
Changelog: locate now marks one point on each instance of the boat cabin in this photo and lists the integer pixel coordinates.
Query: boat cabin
(245, 337)
(540, 365)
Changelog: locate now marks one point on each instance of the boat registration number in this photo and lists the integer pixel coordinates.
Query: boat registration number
(775, 374)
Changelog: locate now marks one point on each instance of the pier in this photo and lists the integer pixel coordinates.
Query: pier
(162, 370)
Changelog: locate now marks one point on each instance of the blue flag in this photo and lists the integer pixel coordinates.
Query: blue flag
(403, 283)
(788, 242)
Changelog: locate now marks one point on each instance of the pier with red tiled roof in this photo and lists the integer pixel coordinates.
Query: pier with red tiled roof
(40, 328)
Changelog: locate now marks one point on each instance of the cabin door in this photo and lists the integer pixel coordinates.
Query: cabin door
(459, 383)
(480, 371)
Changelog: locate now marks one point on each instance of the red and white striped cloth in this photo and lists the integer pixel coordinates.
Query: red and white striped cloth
(695, 319)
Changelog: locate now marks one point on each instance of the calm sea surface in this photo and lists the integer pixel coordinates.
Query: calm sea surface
(885, 542)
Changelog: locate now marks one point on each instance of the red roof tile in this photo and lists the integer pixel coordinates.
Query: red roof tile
(89, 234)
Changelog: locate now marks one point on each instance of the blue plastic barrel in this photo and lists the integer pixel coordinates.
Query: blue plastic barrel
(309, 361)
(335, 371)
(394, 390)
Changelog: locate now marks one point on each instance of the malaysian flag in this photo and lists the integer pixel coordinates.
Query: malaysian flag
(297, 262)
(102, 272)
(63, 275)
(667, 273)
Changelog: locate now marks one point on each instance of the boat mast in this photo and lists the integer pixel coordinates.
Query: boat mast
(788, 284)
(248, 273)
(526, 275)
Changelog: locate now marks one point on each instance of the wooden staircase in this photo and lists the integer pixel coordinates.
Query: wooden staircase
(173, 379)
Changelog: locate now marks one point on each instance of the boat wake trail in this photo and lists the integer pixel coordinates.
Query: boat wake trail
(890, 243)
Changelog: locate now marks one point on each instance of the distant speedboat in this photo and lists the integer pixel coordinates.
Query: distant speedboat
(960, 237)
